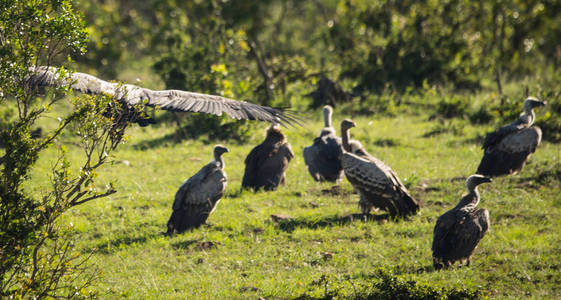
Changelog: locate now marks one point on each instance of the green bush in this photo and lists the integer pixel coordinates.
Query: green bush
(481, 115)
(37, 255)
(452, 107)
(383, 284)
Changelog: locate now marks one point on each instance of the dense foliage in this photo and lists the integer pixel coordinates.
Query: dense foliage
(36, 257)
(270, 44)
(272, 51)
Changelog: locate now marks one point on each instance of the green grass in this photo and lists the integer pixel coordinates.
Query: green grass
(253, 257)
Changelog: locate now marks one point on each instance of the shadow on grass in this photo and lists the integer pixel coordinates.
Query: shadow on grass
(290, 225)
(168, 139)
(183, 244)
(119, 242)
(547, 173)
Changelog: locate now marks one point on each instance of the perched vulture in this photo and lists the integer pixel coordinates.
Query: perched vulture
(266, 164)
(507, 149)
(376, 183)
(458, 231)
(323, 158)
(172, 100)
(198, 196)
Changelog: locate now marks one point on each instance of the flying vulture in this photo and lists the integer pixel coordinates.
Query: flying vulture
(172, 100)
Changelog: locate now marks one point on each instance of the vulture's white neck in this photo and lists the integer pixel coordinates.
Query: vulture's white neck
(528, 116)
(219, 160)
(327, 117)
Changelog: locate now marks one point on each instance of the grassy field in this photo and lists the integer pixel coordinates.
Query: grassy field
(318, 251)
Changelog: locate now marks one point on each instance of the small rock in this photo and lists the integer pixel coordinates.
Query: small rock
(244, 289)
(126, 162)
(280, 217)
(206, 245)
(327, 255)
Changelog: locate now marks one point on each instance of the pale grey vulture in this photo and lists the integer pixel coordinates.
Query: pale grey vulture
(172, 100)
(458, 231)
(198, 196)
(376, 183)
(507, 149)
(266, 164)
(323, 157)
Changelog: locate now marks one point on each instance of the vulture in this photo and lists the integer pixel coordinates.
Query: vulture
(376, 183)
(458, 231)
(323, 158)
(198, 196)
(172, 100)
(507, 149)
(266, 164)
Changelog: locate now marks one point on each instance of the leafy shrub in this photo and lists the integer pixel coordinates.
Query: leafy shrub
(455, 128)
(383, 285)
(383, 103)
(216, 128)
(481, 115)
(451, 107)
(37, 256)
(550, 122)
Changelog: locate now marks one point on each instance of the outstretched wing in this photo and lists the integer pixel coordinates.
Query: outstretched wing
(173, 100)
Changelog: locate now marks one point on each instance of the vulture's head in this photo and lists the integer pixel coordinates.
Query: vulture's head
(347, 124)
(274, 133)
(219, 150)
(474, 180)
(531, 103)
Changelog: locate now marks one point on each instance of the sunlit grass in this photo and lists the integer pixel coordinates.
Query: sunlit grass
(252, 256)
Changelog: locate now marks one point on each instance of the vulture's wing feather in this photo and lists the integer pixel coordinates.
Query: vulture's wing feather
(172, 100)
(368, 175)
(495, 137)
(204, 185)
(525, 140)
(444, 226)
(378, 184)
(197, 198)
(468, 232)
(509, 155)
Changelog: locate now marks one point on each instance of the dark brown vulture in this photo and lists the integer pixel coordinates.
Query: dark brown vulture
(507, 149)
(266, 164)
(458, 231)
(198, 196)
(172, 100)
(323, 157)
(376, 183)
